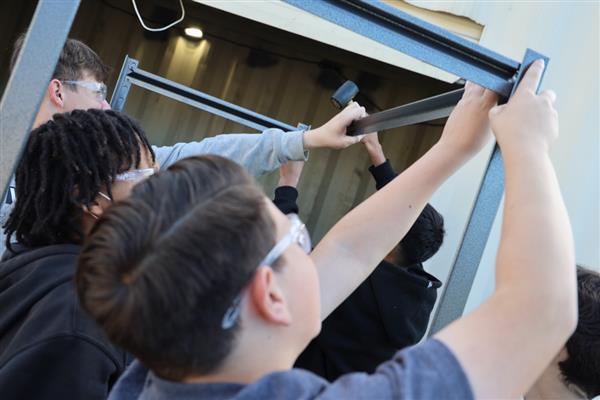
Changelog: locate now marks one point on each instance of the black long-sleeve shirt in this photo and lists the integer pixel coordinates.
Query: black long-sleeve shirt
(388, 311)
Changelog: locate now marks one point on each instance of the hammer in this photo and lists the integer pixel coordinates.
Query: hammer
(344, 94)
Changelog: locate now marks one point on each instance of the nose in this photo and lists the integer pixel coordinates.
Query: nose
(105, 105)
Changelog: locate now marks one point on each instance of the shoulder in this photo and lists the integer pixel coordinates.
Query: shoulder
(291, 384)
(65, 353)
(60, 366)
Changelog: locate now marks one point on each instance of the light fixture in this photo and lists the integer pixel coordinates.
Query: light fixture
(194, 33)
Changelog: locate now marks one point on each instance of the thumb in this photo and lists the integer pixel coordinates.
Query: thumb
(350, 140)
(359, 138)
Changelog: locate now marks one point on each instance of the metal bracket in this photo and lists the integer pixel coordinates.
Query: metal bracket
(119, 97)
(131, 74)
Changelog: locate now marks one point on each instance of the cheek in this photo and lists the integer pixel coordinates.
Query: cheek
(122, 190)
(74, 101)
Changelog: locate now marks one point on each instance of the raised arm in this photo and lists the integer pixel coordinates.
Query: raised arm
(381, 169)
(508, 341)
(262, 153)
(361, 239)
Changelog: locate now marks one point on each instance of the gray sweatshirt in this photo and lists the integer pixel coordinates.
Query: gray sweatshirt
(426, 371)
(258, 153)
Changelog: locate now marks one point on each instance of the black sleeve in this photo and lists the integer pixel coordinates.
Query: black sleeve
(383, 174)
(285, 199)
(66, 367)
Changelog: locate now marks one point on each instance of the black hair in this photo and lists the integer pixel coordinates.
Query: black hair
(423, 239)
(65, 164)
(160, 269)
(582, 366)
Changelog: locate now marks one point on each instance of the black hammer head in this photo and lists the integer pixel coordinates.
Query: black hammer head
(344, 94)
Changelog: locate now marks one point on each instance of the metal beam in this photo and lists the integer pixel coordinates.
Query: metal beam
(435, 107)
(418, 39)
(460, 281)
(132, 75)
(33, 70)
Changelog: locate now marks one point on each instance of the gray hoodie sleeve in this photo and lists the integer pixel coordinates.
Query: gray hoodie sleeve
(258, 153)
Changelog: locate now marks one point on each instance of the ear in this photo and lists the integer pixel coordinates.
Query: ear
(268, 298)
(55, 93)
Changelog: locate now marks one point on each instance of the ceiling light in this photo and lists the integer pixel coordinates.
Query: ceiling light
(194, 33)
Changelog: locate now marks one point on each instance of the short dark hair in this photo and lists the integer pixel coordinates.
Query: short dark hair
(75, 58)
(65, 163)
(423, 239)
(160, 269)
(582, 366)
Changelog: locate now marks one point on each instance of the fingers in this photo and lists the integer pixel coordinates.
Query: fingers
(352, 104)
(531, 79)
(473, 89)
(354, 112)
(490, 96)
(350, 140)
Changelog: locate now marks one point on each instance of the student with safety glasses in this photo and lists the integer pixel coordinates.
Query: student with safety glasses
(72, 169)
(208, 284)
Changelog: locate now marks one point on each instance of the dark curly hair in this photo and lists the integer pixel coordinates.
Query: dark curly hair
(423, 239)
(582, 367)
(65, 163)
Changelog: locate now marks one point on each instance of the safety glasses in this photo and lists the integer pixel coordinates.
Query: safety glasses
(135, 175)
(99, 89)
(298, 234)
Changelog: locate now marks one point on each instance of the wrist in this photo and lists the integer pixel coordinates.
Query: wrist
(523, 147)
(310, 139)
(375, 154)
(288, 182)
(518, 154)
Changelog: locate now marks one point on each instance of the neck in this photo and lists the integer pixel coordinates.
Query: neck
(44, 114)
(251, 359)
(550, 385)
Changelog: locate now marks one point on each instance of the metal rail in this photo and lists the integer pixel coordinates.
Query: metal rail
(131, 74)
(419, 39)
(409, 114)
